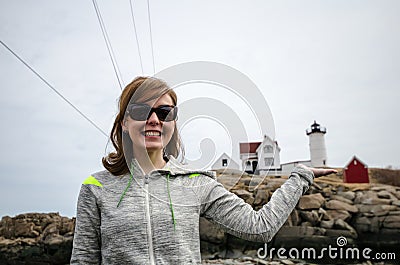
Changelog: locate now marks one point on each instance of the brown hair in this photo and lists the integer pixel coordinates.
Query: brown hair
(141, 89)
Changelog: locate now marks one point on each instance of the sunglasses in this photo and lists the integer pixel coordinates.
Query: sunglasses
(142, 112)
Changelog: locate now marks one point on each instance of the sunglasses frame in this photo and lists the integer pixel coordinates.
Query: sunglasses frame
(149, 111)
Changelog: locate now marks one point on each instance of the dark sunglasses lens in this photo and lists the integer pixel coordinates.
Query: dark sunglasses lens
(166, 113)
(139, 112)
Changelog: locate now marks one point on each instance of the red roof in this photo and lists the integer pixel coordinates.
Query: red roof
(246, 148)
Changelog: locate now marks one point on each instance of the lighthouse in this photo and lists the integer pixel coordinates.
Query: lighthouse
(316, 135)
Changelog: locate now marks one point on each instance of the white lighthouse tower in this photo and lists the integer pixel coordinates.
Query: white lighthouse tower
(317, 145)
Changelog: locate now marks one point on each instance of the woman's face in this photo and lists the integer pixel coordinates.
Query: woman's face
(153, 134)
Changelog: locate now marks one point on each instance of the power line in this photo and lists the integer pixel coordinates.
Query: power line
(55, 90)
(151, 36)
(137, 40)
(108, 44)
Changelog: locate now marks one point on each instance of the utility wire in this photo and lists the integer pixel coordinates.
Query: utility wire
(151, 35)
(137, 40)
(108, 44)
(55, 90)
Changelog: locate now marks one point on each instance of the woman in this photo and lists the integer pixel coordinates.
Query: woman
(145, 207)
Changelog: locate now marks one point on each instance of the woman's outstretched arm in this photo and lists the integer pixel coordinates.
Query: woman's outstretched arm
(238, 218)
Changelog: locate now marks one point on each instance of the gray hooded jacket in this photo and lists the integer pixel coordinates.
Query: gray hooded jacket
(157, 220)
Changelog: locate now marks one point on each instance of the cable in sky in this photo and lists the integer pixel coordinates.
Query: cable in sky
(137, 40)
(151, 36)
(108, 44)
(55, 90)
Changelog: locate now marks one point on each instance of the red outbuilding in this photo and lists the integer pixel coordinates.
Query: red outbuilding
(356, 172)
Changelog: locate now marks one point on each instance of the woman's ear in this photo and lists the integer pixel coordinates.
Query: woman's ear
(123, 125)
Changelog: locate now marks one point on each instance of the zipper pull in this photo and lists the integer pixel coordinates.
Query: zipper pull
(146, 179)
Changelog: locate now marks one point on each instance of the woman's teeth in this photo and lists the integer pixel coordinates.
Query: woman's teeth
(152, 133)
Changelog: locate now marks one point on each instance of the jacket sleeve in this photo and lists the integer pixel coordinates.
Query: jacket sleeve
(87, 240)
(237, 217)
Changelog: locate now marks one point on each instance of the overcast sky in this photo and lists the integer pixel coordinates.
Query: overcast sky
(336, 62)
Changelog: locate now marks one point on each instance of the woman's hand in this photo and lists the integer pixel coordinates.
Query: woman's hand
(319, 172)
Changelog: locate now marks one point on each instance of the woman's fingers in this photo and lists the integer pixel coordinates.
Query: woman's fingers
(319, 172)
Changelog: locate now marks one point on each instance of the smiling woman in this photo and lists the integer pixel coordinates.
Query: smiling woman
(145, 207)
(135, 106)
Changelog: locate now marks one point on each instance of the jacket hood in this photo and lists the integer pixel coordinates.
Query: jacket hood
(172, 168)
(175, 168)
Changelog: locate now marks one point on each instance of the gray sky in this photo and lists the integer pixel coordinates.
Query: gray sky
(334, 61)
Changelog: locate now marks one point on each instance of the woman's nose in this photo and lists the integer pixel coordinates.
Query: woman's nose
(153, 118)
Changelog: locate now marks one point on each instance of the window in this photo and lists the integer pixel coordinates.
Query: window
(269, 161)
(224, 162)
(268, 149)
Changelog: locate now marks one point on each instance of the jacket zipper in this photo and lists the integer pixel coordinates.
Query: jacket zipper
(149, 233)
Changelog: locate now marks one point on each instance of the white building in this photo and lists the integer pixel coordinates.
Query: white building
(249, 157)
(316, 136)
(225, 162)
(268, 153)
(260, 157)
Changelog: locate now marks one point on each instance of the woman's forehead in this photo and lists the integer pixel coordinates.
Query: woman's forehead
(163, 100)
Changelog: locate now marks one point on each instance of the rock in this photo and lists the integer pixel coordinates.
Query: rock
(396, 203)
(313, 201)
(340, 224)
(24, 229)
(392, 221)
(384, 194)
(363, 220)
(245, 195)
(375, 210)
(210, 232)
(310, 216)
(274, 183)
(338, 205)
(338, 232)
(338, 214)
(261, 197)
(34, 238)
(327, 192)
(342, 199)
(327, 224)
(323, 214)
(375, 201)
(349, 195)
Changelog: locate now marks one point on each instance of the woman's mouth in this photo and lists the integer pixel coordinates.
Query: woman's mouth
(151, 133)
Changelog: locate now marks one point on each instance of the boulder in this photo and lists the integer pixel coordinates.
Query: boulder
(342, 199)
(211, 232)
(384, 194)
(310, 216)
(375, 210)
(396, 203)
(392, 221)
(349, 195)
(312, 201)
(261, 197)
(338, 214)
(338, 205)
(327, 224)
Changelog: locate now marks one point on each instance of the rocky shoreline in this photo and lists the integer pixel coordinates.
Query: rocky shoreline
(364, 215)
